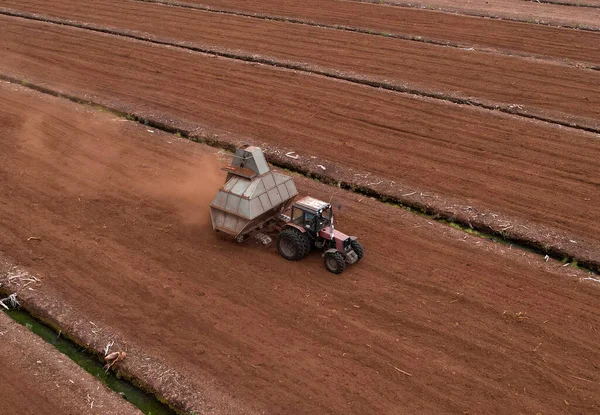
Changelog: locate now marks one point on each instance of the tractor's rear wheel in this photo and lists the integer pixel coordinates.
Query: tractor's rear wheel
(335, 262)
(293, 244)
(358, 249)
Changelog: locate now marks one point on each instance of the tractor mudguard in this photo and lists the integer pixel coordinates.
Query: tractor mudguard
(293, 225)
(329, 251)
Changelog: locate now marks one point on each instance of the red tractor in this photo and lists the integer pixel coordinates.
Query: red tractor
(252, 203)
(311, 225)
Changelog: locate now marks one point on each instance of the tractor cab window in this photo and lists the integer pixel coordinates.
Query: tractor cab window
(309, 219)
(297, 216)
(325, 218)
(306, 219)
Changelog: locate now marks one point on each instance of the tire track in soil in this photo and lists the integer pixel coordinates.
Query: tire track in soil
(533, 105)
(510, 38)
(521, 176)
(473, 322)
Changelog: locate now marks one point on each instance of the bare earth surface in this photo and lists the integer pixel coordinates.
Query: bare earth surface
(554, 92)
(529, 12)
(467, 31)
(578, 3)
(426, 25)
(36, 379)
(541, 174)
(432, 320)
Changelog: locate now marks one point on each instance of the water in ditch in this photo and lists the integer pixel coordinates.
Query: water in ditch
(145, 402)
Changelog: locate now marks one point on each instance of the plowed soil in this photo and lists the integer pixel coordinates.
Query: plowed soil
(528, 12)
(578, 3)
(432, 320)
(536, 172)
(554, 92)
(467, 32)
(36, 379)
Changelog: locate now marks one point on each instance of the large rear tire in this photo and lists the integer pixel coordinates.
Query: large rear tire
(335, 262)
(358, 249)
(293, 244)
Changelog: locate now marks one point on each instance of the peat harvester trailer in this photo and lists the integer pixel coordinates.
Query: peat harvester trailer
(253, 202)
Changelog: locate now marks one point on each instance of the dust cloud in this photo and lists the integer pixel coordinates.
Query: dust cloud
(78, 155)
(191, 189)
(95, 156)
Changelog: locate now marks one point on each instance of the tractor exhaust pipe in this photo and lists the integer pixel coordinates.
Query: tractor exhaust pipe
(331, 226)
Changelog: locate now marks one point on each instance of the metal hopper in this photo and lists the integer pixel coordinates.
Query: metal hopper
(252, 195)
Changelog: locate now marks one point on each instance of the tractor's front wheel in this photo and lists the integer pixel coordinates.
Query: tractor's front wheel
(335, 262)
(358, 249)
(293, 244)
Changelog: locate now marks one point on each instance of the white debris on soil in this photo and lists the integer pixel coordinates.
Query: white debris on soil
(11, 300)
(108, 346)
(20, 278)
(113, 358)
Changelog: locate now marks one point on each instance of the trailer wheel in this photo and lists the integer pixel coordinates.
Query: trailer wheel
(292, 244)
(334, 262)
(358, 249)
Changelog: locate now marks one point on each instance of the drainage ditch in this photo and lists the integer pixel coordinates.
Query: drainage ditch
(144, 401)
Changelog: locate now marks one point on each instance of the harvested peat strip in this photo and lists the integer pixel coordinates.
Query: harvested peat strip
(292, 20)
(486, 226)
(512, 109)
(544, 21)
(508, 48)
(478, 161)
(455, 312)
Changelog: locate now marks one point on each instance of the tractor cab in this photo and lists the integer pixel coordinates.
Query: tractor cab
(311, 225)
(312, 215)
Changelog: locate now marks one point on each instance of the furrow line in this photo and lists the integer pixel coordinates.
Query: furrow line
(365, 31)
(508, 109)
